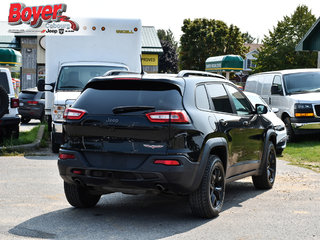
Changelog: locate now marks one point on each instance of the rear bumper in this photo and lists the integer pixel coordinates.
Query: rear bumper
(35, 113)
(9, 121)
(147, 176)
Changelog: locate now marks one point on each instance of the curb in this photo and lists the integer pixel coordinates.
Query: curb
(28, 146)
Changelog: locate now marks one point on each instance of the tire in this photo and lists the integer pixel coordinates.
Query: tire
(269, 163)
(54, 146)
(49, 121)
(290, 132)
(4, 102)
(42, 120)
(207, 200)
(25, 119)
(79, 197)
(15, 131)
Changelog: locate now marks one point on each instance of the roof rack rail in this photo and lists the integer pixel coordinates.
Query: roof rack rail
(186, 73)
(119, 72)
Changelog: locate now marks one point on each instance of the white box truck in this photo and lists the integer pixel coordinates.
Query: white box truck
(73, 58)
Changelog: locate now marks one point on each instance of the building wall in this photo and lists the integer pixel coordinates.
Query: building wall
(29, 62)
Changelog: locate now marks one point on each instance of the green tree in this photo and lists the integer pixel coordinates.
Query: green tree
(167, 35)
(168, 61)
(248, 38)
(278, 50)
(203, 38)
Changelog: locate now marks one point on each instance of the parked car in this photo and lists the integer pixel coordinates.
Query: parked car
(31, 105)
(278, 124)
(296, 93)
(188, 134)
(9, 118)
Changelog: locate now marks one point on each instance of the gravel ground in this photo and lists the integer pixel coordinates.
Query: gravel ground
(33, 206)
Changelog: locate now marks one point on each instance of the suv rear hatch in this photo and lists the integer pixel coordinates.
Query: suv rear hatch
(125, 116)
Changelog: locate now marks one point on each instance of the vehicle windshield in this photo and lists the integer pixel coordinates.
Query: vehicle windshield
(302, 82)
(74, 78)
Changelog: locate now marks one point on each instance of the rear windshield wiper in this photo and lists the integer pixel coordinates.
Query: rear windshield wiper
(126, 109)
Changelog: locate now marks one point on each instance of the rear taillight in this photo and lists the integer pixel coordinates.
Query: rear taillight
(32, 102)
(167, 162)
(14, 102)
(66, 156)
(73, 114)
(168, 116)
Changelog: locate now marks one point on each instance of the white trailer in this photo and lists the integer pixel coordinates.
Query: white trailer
(73, 58)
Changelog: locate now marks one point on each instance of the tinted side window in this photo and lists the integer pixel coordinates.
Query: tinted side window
(242, 105)
(202, 98)
(4, 81)
(219, 98)
(277, 82)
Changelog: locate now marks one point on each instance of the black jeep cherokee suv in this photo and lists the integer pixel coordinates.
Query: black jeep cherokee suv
(185, 134)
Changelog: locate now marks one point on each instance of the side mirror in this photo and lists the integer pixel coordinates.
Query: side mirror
(275, 110)
(42, 86)
(261, 109)
(276, 90)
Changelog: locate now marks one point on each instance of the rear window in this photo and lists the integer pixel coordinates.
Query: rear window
(105, 97)
(27, 95)
(4, 81)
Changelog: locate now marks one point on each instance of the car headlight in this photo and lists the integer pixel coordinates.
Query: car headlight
(279, 128)
(58, 111)
(303, 110)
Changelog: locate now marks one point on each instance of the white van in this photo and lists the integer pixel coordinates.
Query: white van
(73, 58)
(293, 94)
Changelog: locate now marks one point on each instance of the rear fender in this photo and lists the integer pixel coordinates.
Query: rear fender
(204, 156)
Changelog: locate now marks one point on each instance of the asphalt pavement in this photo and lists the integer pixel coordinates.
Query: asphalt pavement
(33, 206)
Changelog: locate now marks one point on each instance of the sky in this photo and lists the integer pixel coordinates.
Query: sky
(254, 16)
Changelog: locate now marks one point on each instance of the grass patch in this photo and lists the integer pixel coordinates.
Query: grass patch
(304, 154)
(45, 138)
(24, 138)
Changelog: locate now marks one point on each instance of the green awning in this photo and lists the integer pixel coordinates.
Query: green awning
(227, 63)
(9, 56)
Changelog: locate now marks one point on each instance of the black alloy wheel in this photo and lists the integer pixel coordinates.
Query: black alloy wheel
(207, 200)
(268, 169)
(217, 187)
